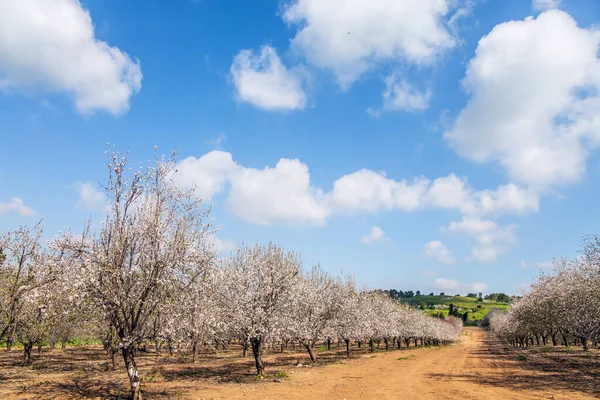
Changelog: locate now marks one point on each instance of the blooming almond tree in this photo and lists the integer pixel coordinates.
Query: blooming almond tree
(24, 268)
(151, 247)
(257, 286)
(315, 306)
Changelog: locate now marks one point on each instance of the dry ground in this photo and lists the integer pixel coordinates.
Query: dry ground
(478, 367)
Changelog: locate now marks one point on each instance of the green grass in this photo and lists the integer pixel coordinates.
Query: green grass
(463, 304)
(406, 358)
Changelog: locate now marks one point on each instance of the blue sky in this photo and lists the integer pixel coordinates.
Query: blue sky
(419, 144)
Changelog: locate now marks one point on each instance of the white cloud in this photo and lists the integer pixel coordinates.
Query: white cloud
(16, 205)
(451, 285)
(279, 194)
(89, 196)
(263, 81)
(370, 191)
(543, 5)
(537, 265)
(375, 235)
(535, 105)
(50, 46)
(438, 251)
(491, 239)
(284, 193)
(224, 246)
(399, 94)
(208, 174)
(349, 37)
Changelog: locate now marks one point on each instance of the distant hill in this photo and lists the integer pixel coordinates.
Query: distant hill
(440, 305)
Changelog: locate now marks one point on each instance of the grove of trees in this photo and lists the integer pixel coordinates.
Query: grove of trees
(150, 275)
(561, 308)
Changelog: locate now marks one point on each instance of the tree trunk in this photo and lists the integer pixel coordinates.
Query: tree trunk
(132, 373)
(194, 351)
(9, 343)
(371, 346)
(554, 342)
(113, 358)
(328, 344)
(387, 344)
(359, 343)
(311, 353)
(584, 343)
(244, 348)
(257, 352)
(347, 347)
(27, 347)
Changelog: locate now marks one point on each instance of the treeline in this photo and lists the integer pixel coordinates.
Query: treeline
(150, 275)
(409, 294)
(561, 307)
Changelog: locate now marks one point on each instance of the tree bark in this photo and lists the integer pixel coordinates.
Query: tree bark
(9, 343)
(194, 351)
(132, 373)
(328, 344)
(311, 353)
(584, 343)
(387, 344)
(257, 352)
(27, 347)
(371, 346)
(347, 347)
(244, 348)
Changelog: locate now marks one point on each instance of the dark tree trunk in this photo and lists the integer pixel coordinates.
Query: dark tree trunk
(359, 343)
(328, 344)
(244, 348)
(27, 347)
(553, 337)
(371, 346)
(347, 347)
(257, 352)
(132, 373)
(584, 343)
(387, 344)
(194, 351)
(9, 343)
(39, 350)
(311, 353)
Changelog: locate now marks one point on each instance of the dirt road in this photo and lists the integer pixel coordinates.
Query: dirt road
(470, 369)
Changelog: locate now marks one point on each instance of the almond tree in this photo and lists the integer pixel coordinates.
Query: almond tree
(24, 268)
(315, 306)
(257, 285)
(151, 247)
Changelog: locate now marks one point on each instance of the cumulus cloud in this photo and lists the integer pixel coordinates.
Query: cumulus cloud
(491, 240)
(263, 81)
(399, 94)
(375, 235)
(18, 206)
(534, 105)
(543, 5)
(89, 196)
(208, 174)
(438, 251)
(50, 46)
(350, 37)
(280, 194)
(451, 285)
(284, 193)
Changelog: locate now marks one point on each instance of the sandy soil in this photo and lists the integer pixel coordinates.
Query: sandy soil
(472, 369)
(478, 367)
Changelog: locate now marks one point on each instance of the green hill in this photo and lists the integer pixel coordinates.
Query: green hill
(440, 305)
